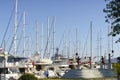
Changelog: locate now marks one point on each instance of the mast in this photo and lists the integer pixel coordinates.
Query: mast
(69, 49)
(23, 33)
(65, 44)
(15, 28)
(90, 44)
(54, 35)
(76, 41)
(29, 47)
(37, 36)
(69, 44)
(100, 44)
(42, 39)
(48, 33)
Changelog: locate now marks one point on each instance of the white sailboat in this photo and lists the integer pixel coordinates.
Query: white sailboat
(44, 63)
(11, 67)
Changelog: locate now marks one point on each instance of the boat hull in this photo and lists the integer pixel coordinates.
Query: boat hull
(89, 73)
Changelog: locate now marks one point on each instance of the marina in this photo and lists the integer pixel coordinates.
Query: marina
(46, 58)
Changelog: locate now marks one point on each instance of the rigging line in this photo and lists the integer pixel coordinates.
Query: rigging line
(85, 42)
(9, 37)
(74, 44)
(15, 33)
(9, 20)
(48, 39)
(11, 45)
(10, 34)
(19, 42)
(27, 40)
(61, 39)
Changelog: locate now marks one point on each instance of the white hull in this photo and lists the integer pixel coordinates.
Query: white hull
(89, 73)
(44, 62)
(8, 76)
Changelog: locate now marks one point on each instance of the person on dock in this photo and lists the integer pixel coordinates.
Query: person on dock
(46, 73)
(77, 60)
(102, 62)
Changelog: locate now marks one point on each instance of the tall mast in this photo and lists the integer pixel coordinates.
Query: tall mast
(29, 47)
(54, 35)
(98, 45)
(37, 36)
(65, 44)
(69, 44)
(90, 44)
(15, 28)
(24, 33)
(42, 39)
(69, 48)
(76, 41)
(48, 33)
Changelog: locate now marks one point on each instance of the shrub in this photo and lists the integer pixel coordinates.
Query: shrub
(28, 76)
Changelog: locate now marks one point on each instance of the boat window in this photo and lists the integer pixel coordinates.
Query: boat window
(1, 59)
(10, 59)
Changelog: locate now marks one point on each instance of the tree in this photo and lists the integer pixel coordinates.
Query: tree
(116, 68)
(113, 16)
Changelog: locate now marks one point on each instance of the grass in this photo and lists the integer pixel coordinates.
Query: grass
(79, 79)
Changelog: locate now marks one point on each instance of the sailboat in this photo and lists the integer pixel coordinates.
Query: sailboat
(44, 63)
(11, 66)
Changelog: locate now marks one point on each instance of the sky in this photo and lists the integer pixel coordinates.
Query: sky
(71, 17)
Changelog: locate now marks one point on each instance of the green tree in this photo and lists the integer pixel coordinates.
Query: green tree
(112, 11)
(116, 68)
